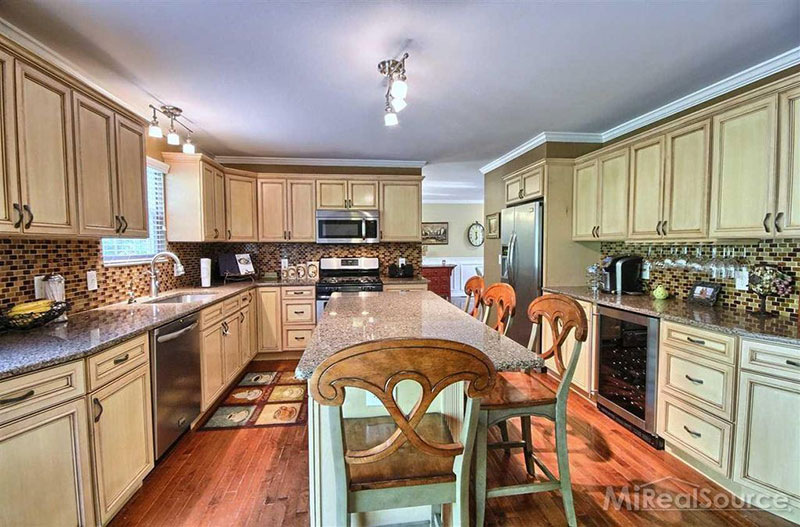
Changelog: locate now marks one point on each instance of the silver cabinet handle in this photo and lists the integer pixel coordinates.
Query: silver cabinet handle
(778, 218)
(696, 341)
(766, 222)
(17, 399)
(692, 379)
(692, 432)
(99, 407)
(176, 334)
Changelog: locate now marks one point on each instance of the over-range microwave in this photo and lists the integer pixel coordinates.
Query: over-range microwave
(348, 226)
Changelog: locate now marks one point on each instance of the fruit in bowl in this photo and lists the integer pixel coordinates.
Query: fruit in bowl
(660, 293)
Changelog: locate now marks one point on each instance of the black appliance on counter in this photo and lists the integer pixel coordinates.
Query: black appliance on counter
(401, 271)
(621, 275)
(346, 275)
(627, 370)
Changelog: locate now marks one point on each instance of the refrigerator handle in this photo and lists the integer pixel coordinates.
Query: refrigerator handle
(510, 264)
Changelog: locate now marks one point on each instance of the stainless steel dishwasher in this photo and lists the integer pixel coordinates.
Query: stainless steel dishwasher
(175, 364)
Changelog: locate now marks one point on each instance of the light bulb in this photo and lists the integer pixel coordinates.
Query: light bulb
(398, 104)
(390, 118)
(155, 131)
(173, 138)
(399, 89)
(188, 146)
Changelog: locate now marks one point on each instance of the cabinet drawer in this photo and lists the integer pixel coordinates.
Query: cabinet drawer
(113, 363)
(297, 337)
(704, 437)
(245, 299)
(230, 305)
(705, 383)
(291, 293)
(710, 344)
(773, 359)
(300, 312)
(211, 314)
(30, 393)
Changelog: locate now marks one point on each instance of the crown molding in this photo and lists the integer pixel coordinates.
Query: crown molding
(157, 164)
(764, 69)
(320, 162)
(544, 137)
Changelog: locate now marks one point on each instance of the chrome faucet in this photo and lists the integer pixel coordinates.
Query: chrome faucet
(154, 272)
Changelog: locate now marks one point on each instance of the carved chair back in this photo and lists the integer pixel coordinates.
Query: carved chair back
(503, 297)
(474, 290)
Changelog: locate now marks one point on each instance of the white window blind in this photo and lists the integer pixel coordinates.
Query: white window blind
(118, 251)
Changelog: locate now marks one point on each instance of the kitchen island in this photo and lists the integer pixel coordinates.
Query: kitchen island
(354, 318)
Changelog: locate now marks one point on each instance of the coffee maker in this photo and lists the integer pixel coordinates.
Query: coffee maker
(621, 275)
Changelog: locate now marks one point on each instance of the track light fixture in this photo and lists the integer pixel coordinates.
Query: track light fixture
(173, 113)
(395, 71)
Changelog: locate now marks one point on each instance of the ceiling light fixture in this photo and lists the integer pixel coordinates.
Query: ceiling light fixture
(395, 71)
(188, 146)
(174, 114)
(155, 130)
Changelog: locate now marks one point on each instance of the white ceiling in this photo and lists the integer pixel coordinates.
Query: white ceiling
(299, 79)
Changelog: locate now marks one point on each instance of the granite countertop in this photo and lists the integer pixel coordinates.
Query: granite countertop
(92, 331)
(352, 318)
(416, 279)
(732, 321)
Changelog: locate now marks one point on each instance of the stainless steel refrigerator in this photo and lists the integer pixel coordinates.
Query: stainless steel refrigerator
(521, 261)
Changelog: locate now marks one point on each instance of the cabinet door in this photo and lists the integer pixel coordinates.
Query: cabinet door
(269, 319)
(687, 182)
(46, 469)
(272, 210)
(230, 346)
(743, 175)
(301, 211)
(219, 204)
(246, 335)
(401, 219)
(646, 188)
(122, 439)
(363, 194)
(210, 229)
(241, 198)
(583, 377)
(767, 450)
(533, 183)
(46, 168)
(514, 191)
(612, 172)
(584, 201)
(331, 194)
(211, 364)
(95, 164)
(10, 206)
(132, 177)
(788, 212)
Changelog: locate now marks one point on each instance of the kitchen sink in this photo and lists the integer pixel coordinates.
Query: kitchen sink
(181, 299)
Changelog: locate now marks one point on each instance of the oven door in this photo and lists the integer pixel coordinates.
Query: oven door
(348, 226)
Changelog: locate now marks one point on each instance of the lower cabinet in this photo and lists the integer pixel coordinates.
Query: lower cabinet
(411, 286)
(122, 439)
(212, 364)
(45, 468)
(230, 348)
(269, 319)
(247, 332)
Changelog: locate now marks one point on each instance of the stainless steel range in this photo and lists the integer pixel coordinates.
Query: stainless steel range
(346, 275)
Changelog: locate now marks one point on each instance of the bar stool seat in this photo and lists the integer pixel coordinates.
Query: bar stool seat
(518, 390)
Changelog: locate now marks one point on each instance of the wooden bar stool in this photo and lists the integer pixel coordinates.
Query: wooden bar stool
(520, 394)
(502, 296)
(415, 461)
(474, 290)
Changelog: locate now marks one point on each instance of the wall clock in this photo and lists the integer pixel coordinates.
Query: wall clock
(475, 234)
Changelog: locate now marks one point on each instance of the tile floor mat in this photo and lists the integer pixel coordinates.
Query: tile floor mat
(266, 398)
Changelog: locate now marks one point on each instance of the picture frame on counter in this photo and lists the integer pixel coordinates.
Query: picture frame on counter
(704, 293)
(435, 233)
(493, 226)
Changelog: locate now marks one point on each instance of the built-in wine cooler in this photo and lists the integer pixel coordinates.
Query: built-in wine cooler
(627, 375)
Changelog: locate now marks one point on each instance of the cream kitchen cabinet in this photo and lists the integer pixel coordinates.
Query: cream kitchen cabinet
(247, 329)
(45, 153)
(131, 177)
(585, 201)
(584, 372)
(213, 190)
(272, 210)
(195, 198)
(339, 194)
(286, 210)
(300, 215)
(600, 197)
(45, 462)
(212, 361)
(400, 211)
(241, 207)
(269, 319)
(524, 184)
(787, 215)
(122, 439)
(231, 354)
(669, 185)
(743, 175)
(10, 206)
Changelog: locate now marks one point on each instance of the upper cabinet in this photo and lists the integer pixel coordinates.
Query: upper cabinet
(743, 177)
(646, 189)
(195, 200)
(10, 207)
(600, 197)
(584, 201)
(339, 194)
(524, 184)
(44, 137)
(286, 210)
(272, 210)
(400, 211)
(300, 221)
(131, 177)
(241, 206)
(787, 217)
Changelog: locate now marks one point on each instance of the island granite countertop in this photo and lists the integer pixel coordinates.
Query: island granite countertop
(352, 318)
(416, 279)
(92, 331)
(731, 321)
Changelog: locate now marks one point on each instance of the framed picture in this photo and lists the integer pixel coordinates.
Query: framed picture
(435, 232)
(704, 293)
(493, 225)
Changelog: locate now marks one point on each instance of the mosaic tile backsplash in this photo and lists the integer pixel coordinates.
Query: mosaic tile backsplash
(785, 254)
(22, 259)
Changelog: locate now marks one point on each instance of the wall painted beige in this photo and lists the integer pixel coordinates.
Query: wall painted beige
(460, 216)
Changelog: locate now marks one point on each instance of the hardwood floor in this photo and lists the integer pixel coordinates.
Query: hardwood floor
(259, 476)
